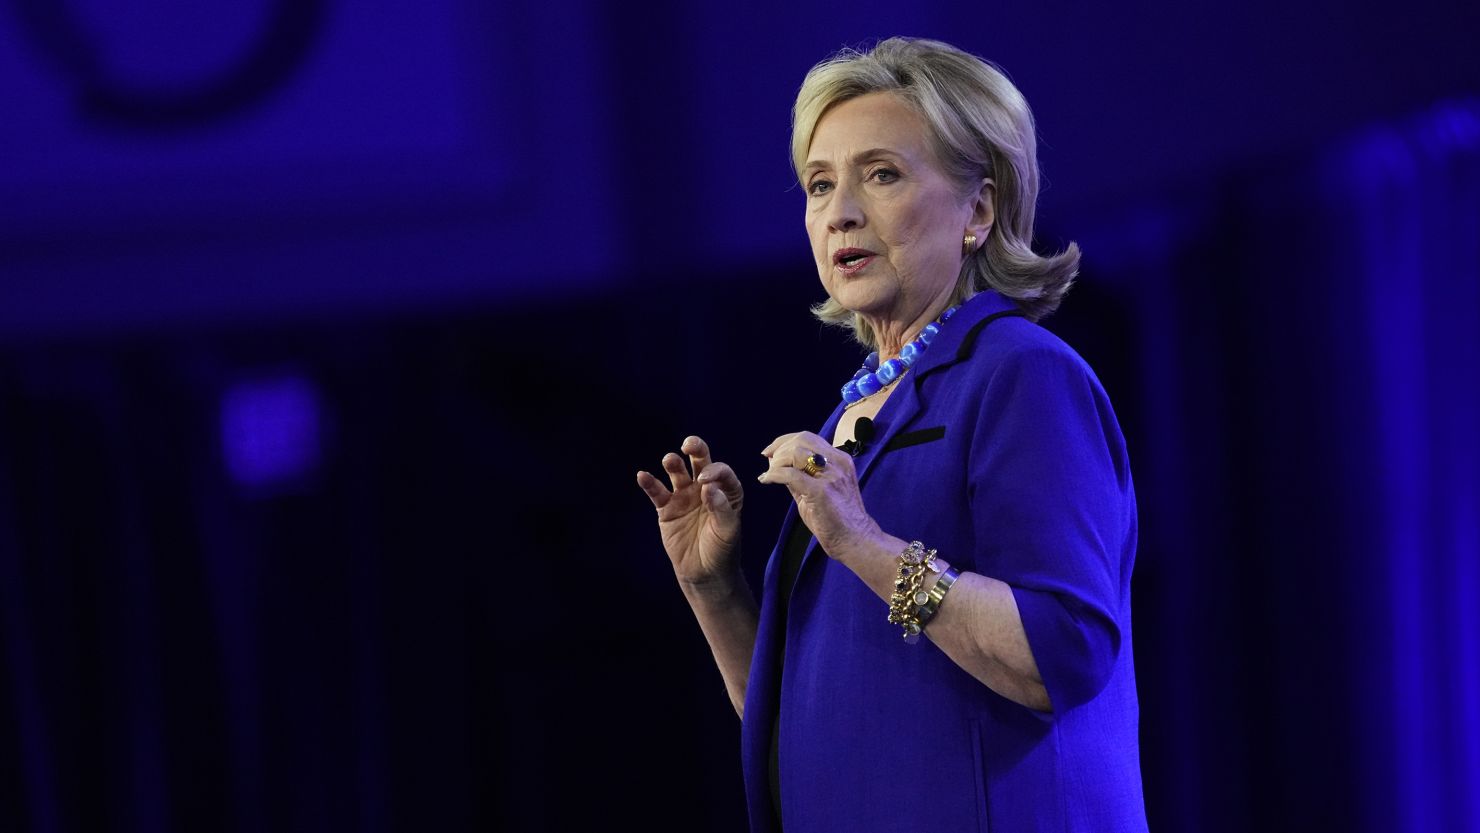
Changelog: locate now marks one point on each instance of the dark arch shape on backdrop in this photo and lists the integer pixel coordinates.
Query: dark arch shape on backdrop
(292, 29)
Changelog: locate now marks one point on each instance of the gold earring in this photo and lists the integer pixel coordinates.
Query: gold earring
(968, 245)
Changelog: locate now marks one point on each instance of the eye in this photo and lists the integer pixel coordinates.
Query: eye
(884, 175)
(818, 187)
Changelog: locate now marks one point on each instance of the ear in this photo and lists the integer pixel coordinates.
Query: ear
(983, 211)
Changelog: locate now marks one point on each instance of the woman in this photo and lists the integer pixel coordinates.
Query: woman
(976, 436)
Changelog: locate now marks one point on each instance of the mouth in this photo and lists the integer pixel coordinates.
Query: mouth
(852, 260)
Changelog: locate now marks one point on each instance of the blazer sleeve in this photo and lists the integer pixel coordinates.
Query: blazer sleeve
(1050, 489)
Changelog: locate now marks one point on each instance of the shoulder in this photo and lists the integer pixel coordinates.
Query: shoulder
(1013, 372)
(1011, 347)
(1020, 374)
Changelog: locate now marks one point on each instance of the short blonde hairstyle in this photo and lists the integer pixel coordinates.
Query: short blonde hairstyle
(981, 127)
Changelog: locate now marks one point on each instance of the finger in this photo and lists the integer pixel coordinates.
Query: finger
(786, 455)
(698, 452)
(792, 478)
(796, 452)
(776, 444)
(723, 477)
(678, 473)
(810, 439)
(799, 454)
(653, 487)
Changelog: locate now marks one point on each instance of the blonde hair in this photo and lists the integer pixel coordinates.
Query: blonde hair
(981, 127)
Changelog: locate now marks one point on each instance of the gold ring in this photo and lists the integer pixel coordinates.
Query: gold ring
(815, 464)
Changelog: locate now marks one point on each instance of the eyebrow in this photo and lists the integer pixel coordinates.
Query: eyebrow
(858, 159)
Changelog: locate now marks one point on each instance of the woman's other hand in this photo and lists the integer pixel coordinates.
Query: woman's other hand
(699, 516)
(828, 503)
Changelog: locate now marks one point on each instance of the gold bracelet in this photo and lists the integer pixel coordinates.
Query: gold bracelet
(908, 595)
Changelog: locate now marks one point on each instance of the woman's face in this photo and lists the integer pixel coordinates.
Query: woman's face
(886, 224)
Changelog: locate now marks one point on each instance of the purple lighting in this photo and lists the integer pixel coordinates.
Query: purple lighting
(270, 430)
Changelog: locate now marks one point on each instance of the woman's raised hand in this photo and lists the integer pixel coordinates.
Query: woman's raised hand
(699, 517)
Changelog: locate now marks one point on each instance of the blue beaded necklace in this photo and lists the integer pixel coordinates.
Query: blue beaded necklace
(873, 377)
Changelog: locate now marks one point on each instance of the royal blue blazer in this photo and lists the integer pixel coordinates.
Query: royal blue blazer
(1000, 450)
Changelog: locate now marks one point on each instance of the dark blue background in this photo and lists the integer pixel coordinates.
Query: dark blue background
(331, 335)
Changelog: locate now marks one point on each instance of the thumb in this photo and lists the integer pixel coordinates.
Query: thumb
(723, 522)
(718, 504)
(714, 498)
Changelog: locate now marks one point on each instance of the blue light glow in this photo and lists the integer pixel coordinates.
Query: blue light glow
(270, 430)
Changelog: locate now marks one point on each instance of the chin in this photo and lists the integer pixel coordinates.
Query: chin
(862, 293)
(874, 309)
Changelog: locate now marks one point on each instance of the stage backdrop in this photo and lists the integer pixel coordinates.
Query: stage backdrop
(332, 336)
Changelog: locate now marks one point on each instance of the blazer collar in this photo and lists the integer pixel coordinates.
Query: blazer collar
(958, 336)
(957, 339)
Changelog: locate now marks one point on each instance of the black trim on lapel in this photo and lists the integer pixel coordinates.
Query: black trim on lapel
(909, 438)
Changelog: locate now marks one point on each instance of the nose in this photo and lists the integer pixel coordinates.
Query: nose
(843, 210)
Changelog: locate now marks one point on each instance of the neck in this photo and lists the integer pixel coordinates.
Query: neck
(892, 335)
